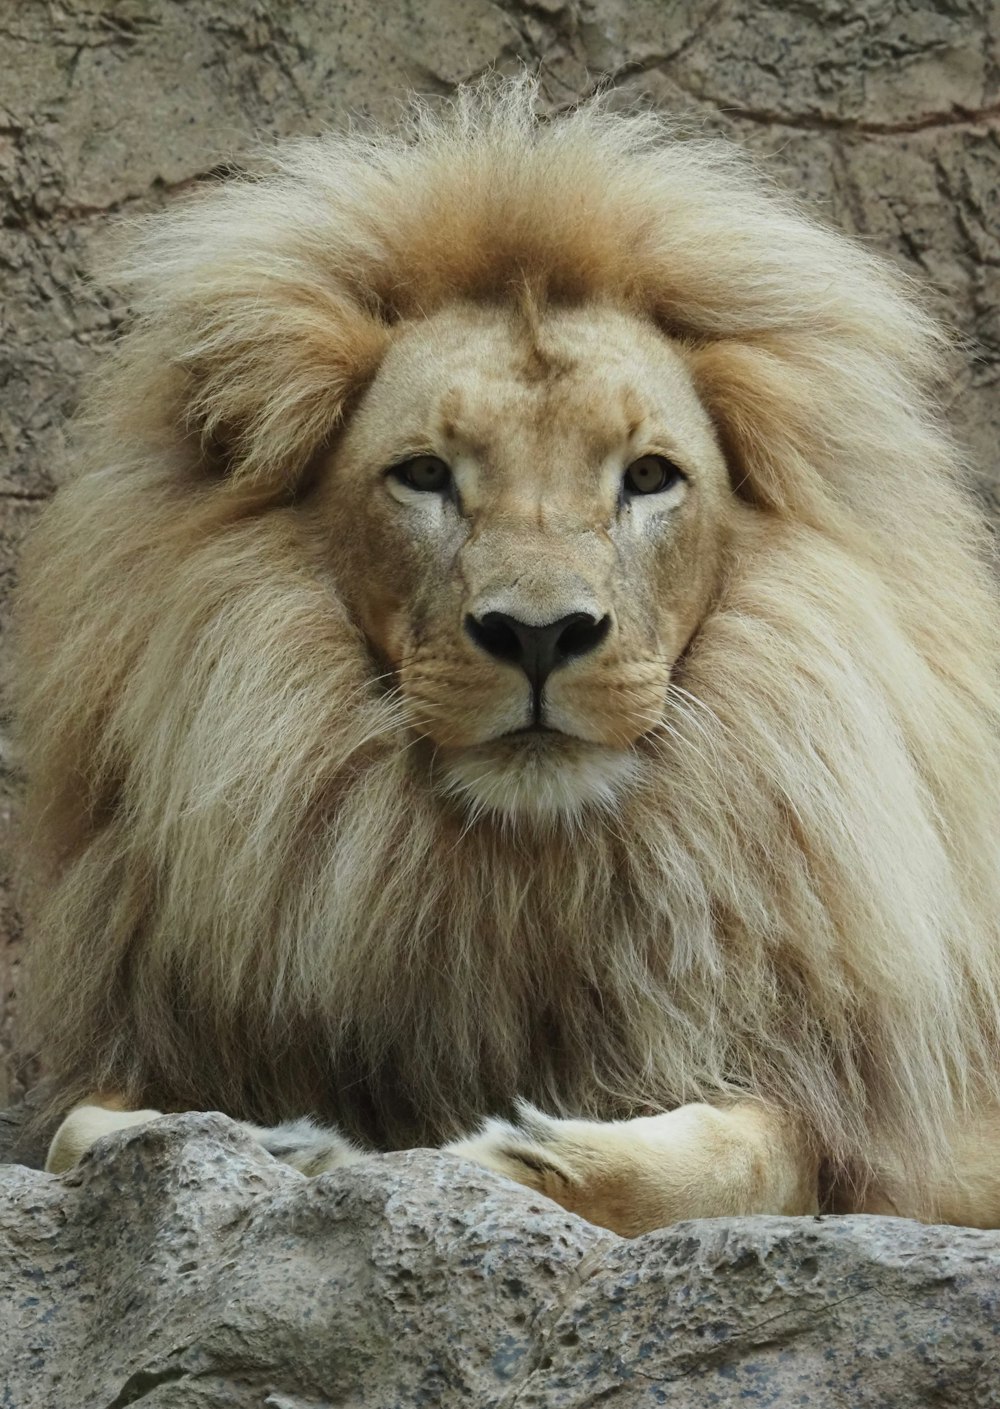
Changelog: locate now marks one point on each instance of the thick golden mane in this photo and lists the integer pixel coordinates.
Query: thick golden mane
(248, 896)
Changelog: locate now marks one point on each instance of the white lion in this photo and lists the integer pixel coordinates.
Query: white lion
(520, 632)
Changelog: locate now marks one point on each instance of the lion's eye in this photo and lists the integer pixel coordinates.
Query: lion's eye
(424, 472)
(651, 474)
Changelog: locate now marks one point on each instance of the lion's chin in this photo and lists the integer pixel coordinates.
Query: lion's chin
(544, 776)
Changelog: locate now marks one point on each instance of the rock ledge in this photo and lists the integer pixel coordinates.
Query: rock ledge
(179, 1265)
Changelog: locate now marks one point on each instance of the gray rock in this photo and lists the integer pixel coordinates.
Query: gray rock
(181, 1266)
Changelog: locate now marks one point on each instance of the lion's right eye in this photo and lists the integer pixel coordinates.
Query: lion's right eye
(424, 472)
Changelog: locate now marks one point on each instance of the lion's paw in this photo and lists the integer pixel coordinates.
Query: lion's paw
(303, 1144)
(83, 1127)
(627, 1175)
(310, 1148)
(632, 1176)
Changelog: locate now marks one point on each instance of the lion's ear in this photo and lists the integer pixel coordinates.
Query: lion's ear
(265, 380)
(766, 416)
(243, 380)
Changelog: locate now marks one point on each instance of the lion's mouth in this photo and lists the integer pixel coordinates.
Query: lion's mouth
(541, 772)
(539, 729)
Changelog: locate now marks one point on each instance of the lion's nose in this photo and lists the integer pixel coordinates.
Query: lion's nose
(538, 650)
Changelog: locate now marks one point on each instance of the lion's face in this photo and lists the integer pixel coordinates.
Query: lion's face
(527, 518)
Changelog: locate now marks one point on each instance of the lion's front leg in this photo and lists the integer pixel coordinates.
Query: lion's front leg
(631, 1176)
(306, 1146)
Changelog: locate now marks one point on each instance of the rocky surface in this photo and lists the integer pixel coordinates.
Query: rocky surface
(181, 1266)
(887, 112)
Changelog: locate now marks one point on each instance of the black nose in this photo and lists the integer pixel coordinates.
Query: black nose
(538, 650)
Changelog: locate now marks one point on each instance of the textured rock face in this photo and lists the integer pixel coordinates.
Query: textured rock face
(885, 111)
(180, 1265)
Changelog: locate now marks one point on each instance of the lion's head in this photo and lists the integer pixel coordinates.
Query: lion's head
(526, 516)
(519, 630)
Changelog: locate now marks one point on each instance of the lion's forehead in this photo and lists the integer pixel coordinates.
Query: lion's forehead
(538, 402)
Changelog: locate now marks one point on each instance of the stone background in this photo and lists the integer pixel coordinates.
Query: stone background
(886, 112)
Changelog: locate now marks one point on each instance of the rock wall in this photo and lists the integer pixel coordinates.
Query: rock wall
(886, 112)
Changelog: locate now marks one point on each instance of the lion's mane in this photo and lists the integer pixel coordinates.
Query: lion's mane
(246, 894)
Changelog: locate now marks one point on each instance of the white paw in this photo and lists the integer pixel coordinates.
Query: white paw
(83, 1127)
(306, 1146)
(573, 1149)
(528, 1151)
(629, 1175)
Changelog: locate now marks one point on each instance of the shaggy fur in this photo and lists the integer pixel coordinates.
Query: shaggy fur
(249, 894)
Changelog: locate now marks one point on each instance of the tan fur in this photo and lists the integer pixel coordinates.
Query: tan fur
(282, 860)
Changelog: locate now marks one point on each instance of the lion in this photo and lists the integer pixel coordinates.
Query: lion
(517, 671)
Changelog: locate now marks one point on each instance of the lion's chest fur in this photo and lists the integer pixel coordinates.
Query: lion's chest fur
(438, 978)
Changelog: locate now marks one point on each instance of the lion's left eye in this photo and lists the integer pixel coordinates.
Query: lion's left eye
(651, 474)
(424, 472)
